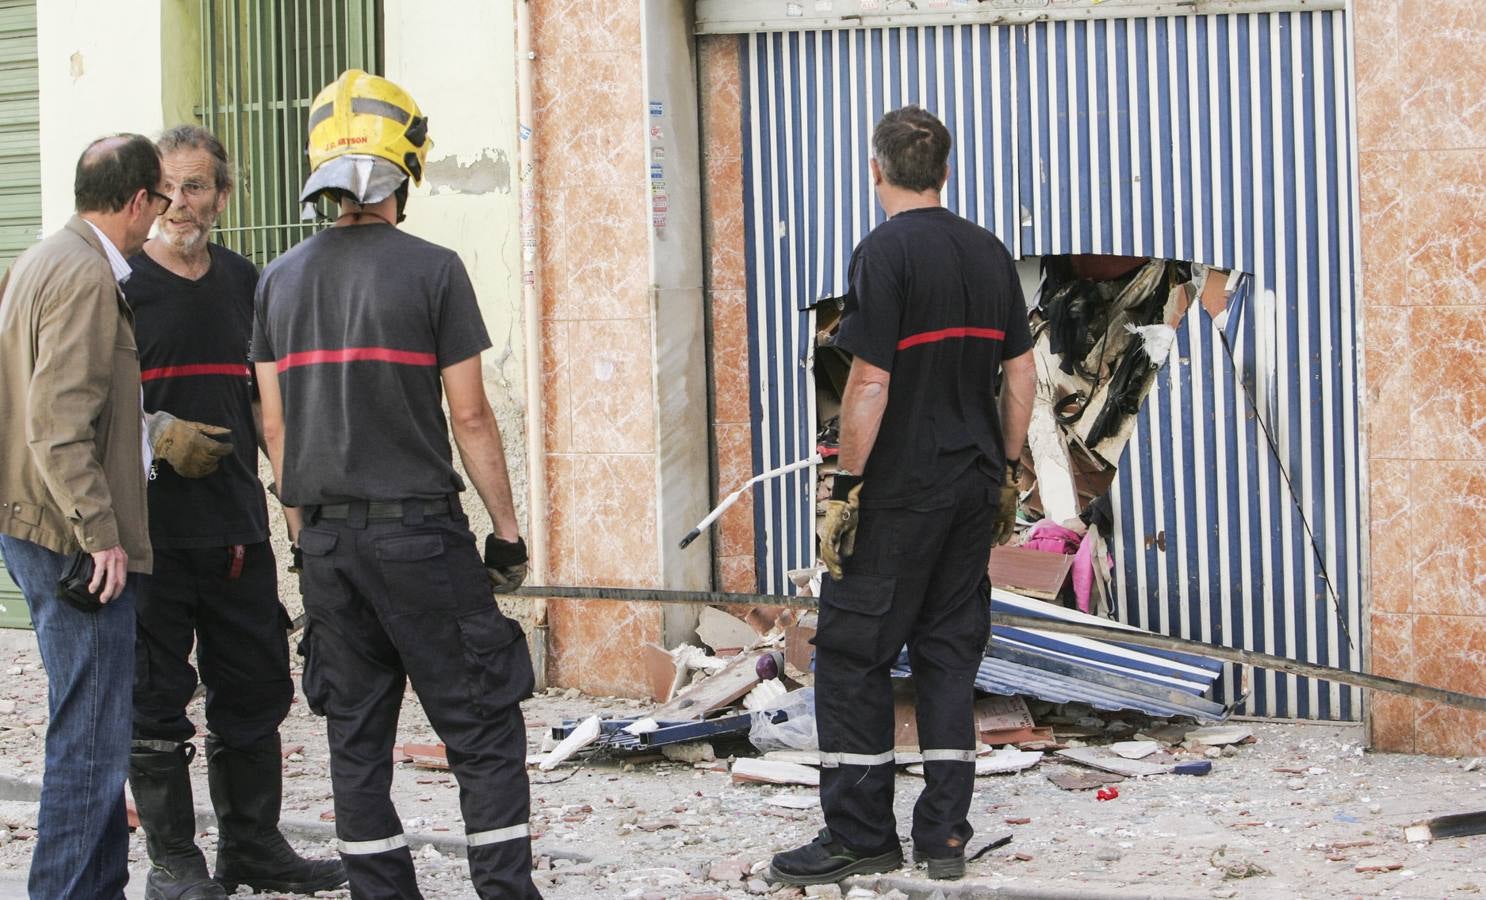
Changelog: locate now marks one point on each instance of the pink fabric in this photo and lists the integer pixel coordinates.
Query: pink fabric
(1083, 571)
(1050, 537)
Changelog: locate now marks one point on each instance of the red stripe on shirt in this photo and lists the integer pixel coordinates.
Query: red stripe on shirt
(357, 354)
(944, 334)
(236, 369)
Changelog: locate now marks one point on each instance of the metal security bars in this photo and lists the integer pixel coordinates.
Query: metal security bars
(262, 62)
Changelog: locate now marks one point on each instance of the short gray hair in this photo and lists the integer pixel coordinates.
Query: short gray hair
(194, 137)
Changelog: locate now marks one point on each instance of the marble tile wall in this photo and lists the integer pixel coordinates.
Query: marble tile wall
(590, 119)
(1421, 133)
(722, 210)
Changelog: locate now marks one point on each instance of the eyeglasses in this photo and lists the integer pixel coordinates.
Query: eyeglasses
(156, 195)
(189, 189)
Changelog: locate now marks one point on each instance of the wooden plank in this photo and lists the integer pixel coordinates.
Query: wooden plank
(735, 680)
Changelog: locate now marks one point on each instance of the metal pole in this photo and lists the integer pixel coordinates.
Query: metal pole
(1059, 626)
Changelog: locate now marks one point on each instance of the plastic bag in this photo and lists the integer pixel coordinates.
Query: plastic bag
(786, 724)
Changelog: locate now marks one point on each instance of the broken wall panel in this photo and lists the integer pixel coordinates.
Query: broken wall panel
(1220, 139)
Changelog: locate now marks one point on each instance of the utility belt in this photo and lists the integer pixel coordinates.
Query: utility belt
(358, 513)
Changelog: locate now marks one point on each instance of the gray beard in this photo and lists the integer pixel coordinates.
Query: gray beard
(191, 245)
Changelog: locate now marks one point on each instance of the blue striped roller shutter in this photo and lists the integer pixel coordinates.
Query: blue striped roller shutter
(1222, 139)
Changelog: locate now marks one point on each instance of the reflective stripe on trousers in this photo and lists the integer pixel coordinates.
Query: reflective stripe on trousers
(498, 835)
(367, 848)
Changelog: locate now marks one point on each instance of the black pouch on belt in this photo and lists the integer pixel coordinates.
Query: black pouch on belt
(73, 586)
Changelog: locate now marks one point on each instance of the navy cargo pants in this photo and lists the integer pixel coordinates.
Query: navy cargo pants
(395, 599)
(917, 576)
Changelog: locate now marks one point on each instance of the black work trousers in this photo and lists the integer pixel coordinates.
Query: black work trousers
(390, 601)
(233, 615)
(917, 576)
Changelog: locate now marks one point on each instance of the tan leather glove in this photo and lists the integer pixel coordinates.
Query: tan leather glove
(1005, 525)
(838, 536)
(191, 448)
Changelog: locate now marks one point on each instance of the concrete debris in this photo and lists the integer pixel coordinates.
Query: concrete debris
(698, 752)
(581, 737)
(1219, 735)
(723, 632)
(761, 771)
(1102, 759)
(1135, 749)
(794, 801)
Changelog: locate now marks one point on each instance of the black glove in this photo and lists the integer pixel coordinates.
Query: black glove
(505, 563)
(296, 559)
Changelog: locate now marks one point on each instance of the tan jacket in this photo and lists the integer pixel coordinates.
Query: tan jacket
(71, 467)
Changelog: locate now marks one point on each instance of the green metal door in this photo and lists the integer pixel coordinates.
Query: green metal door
(20, 184)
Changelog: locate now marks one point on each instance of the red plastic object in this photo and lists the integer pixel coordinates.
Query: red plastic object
(1108, 793)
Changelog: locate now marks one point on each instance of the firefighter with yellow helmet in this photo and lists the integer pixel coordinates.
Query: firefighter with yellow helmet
(361, 331)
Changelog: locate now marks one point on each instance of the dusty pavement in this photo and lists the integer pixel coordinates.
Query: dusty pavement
(1296, 814)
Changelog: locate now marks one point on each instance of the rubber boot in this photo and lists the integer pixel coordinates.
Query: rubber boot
(247, 791)
(161, 785)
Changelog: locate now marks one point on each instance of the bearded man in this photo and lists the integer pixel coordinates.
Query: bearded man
(215, 580)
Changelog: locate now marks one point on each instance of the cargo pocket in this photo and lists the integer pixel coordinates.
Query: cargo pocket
(416, 573)
(315, 693)
(496, 659)
(852, 615)
(317, 579)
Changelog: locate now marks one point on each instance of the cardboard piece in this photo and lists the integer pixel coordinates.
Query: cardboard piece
(998, 713)
(1035, 573)
(798, 651)
(1019, 736)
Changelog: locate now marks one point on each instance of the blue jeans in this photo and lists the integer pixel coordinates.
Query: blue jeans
(82, 837)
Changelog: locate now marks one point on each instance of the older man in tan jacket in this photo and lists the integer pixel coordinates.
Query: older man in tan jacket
(72, 476)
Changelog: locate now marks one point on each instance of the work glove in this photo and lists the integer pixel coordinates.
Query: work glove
(838, 537)
(1005, 525)
(191, 448)
(296, 559)
(505, 563)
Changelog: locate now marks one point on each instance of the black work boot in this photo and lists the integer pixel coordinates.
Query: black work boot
(161, 785)
(247, 789)
(827, 861)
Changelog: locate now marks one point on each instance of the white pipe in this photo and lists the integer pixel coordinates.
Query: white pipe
(531, 314)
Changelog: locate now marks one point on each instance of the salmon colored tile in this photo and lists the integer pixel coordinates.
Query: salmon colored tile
(1446, 200)
(616, 509)
(739, 574)
(1446, 731)
(595, 131)
(607, 247)
(1384, 228)
(734, 457)
(733, 404)
(1392, 543)
(1380, 96)
(592, 645)
(561, 536)
(723, 192)
(1441, 72)
(1393, 645)
(1392, 723)
(557, 391)
(1450, 651)
(1389, 351)
(580, 26)
(611, 371)
(720, 74)
(1448, 529)
(1449, 384)
(735, 529)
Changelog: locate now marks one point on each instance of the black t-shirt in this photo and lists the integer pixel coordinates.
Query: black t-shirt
(935, 300)
(193, 356)
(360, 321)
